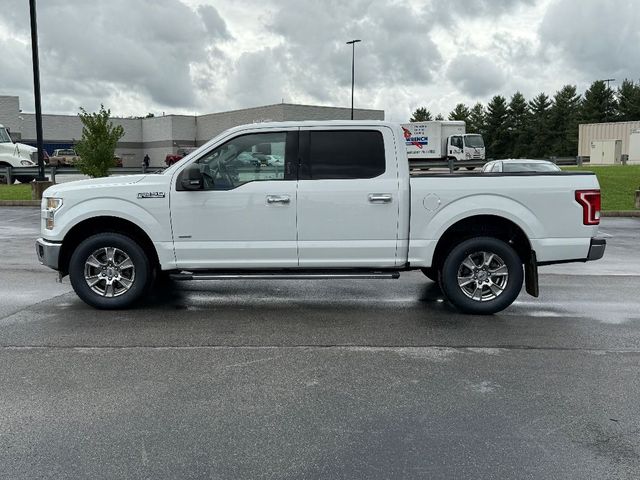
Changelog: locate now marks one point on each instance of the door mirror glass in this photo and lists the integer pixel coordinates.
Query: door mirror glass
(191, 178)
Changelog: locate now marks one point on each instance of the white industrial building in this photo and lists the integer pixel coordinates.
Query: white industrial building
(159, 136)
(609, 143)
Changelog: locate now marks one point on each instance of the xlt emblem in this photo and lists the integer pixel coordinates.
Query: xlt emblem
(151, 195)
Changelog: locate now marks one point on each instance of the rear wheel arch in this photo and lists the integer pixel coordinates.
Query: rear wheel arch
(482, 226)
(105, 224)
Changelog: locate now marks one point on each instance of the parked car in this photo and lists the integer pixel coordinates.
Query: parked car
(342, 206)
(63, 157)
(171, 158)
(519, 165)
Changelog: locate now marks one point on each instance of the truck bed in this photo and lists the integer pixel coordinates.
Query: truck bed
(541, 204)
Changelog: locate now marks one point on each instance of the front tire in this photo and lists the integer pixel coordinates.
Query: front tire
(25, 179)
(482, 275)
(109, 271)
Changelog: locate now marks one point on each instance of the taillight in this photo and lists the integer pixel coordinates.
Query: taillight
(590, 201)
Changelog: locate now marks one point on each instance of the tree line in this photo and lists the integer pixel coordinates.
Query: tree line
(543, 126)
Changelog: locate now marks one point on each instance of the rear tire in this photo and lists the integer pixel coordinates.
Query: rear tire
(109, 271)
(482, 275)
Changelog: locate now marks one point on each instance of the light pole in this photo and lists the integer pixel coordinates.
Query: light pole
(36, 87)
(608, 81)
(353, 69)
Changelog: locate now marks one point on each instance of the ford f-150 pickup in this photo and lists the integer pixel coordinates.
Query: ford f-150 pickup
(337, 201)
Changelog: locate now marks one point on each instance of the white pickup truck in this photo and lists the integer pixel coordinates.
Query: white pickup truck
(335, 201)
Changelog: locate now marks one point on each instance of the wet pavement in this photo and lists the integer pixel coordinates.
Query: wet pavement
(320, 379)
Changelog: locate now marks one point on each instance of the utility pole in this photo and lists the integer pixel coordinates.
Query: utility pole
(353, 69)
(36, 87)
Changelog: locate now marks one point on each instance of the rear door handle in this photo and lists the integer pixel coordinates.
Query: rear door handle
(284, 199)
(380, 197)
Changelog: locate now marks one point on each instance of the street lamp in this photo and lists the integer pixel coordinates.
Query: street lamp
(353, 69)
(608, 81)
(36, 87)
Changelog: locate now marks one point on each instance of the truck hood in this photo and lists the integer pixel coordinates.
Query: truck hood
(60, 190)
(26, 148)
(18, 150)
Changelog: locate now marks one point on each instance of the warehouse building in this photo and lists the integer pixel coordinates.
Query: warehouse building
(160, 136)
(609, 143)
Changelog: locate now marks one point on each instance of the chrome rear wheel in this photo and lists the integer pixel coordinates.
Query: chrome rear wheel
(483, 276)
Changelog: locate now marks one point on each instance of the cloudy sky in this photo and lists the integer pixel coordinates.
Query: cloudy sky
(202, 56)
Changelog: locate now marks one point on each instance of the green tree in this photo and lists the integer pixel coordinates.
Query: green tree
(477, 119)
(628, 101)
(497, 133)
(599, 104)
(518, 125)
(421, 115)
(565, 114)
(439, 117)
(99, 139)
(460, 112)
(539, 125)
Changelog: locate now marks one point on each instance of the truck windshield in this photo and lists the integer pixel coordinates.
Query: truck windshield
(474, 141)
(4, 136)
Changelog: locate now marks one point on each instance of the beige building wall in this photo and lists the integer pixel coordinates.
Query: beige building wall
(589, 132)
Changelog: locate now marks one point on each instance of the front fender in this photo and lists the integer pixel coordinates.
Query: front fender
(150, 219)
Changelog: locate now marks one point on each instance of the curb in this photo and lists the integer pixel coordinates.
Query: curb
(620, 213)
(19, 203)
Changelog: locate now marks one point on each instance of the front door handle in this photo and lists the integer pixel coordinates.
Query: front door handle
(380, 198)
(284, 199)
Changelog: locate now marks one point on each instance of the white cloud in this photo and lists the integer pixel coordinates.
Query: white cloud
(205, 55)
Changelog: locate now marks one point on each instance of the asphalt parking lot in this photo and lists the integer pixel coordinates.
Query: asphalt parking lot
(320, 379)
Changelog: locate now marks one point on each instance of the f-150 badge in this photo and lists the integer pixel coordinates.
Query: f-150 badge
(151, 195)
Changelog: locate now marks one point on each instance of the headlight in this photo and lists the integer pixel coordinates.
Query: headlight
(468, 155)
(26, 163)
(52, 205)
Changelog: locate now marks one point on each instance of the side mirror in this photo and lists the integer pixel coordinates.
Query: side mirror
(191, 178)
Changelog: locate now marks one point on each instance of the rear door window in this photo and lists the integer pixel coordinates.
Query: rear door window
(343, 154)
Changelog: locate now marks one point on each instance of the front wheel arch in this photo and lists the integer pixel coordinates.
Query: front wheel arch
(105, 224)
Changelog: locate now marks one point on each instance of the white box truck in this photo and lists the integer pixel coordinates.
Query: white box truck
(442, 140)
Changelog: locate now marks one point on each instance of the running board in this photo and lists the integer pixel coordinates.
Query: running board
(185, 276)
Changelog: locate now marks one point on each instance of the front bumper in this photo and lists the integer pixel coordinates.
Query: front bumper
(48, 253)
(596, 249)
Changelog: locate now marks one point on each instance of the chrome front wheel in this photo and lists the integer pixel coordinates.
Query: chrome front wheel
(109, 272)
